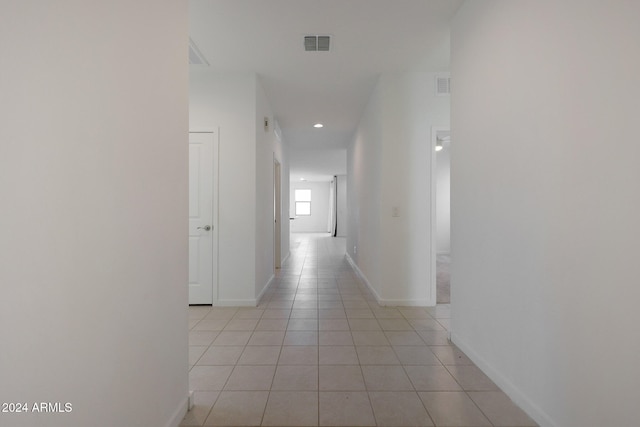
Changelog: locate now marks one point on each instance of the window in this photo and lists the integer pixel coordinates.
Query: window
(303, 202)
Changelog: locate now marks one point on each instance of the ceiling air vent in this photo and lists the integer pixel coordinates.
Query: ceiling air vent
(195, 56)
(443, 86)
(317, 43)
(323, 43)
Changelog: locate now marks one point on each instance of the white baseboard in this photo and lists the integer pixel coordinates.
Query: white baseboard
(236, 303)
(265, 288)
(407, 302)
(179, 413)
(363, 278)
(191, 402)
(518, 397)
(245, 302)
(286, 257)
(387, 302)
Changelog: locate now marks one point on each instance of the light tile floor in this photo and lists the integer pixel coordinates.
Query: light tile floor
(319, 350)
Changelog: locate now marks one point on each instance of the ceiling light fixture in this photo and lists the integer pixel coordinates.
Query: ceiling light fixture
(318, 125)
(439, 147)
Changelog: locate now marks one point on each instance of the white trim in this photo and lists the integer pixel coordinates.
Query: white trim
(216, 212)
(286, 257)
(237, 303)
(277, 220)
(363, 278)
(406, 302)
(265, 288)
(433, 253)
(191, 402)
(204, 129)
(381, 301)
(518, 397)
(179, 413)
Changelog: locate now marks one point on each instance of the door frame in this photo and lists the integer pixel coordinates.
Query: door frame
(215, 131)
(277, 213)
(433, 250)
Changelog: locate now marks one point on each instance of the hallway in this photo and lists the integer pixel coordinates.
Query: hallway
(319, 350)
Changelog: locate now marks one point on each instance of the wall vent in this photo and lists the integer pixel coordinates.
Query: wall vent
(317, 43)
(195, 56)
(443, 86)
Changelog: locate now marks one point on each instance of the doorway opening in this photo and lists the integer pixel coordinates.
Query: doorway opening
(441, 226)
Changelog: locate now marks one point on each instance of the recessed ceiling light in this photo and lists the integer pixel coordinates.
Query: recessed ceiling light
(302, 179)
(318, 125)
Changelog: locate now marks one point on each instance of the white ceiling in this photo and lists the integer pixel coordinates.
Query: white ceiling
(317, 164)
(369, 37)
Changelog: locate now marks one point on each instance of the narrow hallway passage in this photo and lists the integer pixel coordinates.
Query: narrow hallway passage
(319, 350)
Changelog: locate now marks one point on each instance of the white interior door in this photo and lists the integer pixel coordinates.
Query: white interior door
(202, 228)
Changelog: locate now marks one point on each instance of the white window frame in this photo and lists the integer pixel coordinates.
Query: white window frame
(302, 201)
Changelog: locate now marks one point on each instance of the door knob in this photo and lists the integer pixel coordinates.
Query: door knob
(205, 228)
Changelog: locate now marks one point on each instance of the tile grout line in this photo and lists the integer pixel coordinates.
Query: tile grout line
(342, 283)
(318, 344)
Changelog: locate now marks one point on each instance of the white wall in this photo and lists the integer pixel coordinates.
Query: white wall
(364, 159)
(268, 148)
(318, 221)
(229, 101)
(389, 163)
(443, 195)
(545, 202)
(342, 206)
(237, 104)
(93, 183)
